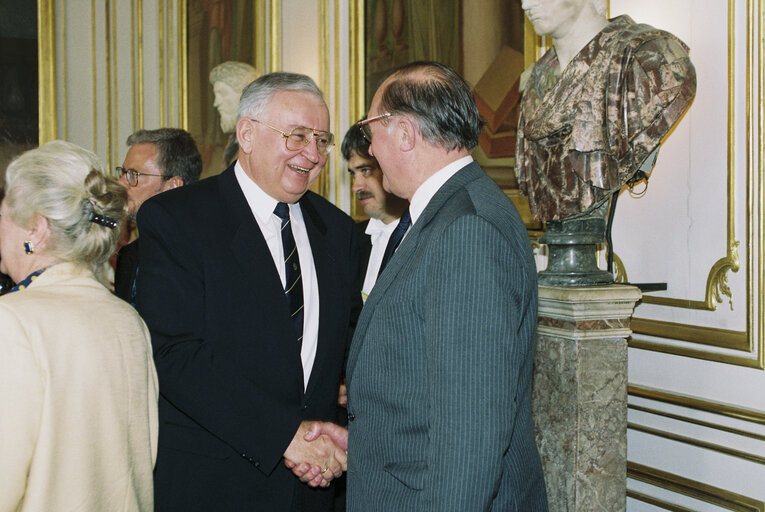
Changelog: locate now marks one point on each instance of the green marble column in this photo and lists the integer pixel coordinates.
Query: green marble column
(580, 395)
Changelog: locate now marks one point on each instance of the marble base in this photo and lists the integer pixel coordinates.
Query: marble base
(580, 395)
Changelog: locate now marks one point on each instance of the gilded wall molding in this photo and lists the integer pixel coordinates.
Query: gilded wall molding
(62, 133)
(694, 441)
(274, 21)
(183, 72)
(46, 70)
(161, 24)
(752, 340)
(321, 186)
(717, 279)
(699, 404)
(694, 421)
(691, 488)
(94, 91)
(712, 336)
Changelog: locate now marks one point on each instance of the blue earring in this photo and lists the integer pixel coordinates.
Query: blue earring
(28, 248)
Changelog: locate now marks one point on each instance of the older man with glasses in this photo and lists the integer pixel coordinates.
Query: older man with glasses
(156, 160)
(247, 286)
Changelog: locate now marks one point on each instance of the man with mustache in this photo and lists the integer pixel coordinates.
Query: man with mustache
(384, 208)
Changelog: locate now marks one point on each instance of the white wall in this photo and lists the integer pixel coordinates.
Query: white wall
(676, 233)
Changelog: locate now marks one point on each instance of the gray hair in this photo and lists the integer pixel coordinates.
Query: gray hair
(438, 100)
(66, 185)
(234, 74)
(256, 96)
(177, 153)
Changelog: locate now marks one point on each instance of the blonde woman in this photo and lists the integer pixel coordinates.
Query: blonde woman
(78, 428)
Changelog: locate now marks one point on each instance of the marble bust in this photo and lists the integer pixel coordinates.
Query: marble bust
(596, 106)
(228, 80)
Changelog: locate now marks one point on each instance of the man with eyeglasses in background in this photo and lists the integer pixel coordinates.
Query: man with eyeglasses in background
(248, 287)
(156, 160)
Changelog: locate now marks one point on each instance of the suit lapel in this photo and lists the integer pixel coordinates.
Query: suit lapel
(404, 255)
(255, 264)
(247, 243)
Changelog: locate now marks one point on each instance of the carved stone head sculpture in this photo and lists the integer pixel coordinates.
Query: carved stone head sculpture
(228, 80)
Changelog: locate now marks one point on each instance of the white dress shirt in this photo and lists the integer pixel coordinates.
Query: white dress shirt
(379, 233)
(429, 187)
(262, 206)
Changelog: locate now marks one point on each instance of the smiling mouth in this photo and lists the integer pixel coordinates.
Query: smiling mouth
(361, 197)
(301, 170)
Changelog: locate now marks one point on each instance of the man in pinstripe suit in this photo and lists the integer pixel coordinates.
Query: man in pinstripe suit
(439, 371)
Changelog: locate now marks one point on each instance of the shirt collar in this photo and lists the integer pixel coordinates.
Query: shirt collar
(376, 226)
(261, 204)
(429, 187)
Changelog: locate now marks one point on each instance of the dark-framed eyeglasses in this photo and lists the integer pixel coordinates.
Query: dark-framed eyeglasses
(300, 136)
(364, 125)
(132, 175)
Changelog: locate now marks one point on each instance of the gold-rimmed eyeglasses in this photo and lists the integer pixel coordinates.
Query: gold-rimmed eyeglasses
(133, 175)
(300, 136)
(364, 125)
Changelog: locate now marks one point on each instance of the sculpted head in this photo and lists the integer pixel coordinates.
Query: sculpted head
(228, 80)
(556, 18)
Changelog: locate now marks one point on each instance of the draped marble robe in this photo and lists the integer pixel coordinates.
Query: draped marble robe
(586, 130)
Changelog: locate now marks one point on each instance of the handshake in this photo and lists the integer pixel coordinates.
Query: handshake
(318, 453)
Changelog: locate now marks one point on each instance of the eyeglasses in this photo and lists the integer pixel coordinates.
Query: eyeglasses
(132, 175)
(365, 130)
(300, 136)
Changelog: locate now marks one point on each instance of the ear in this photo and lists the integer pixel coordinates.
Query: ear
(245, 135)
(174, 182)
(40, 232)
(407, 133)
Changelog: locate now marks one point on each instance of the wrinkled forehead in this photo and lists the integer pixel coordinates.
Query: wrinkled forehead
(298, 108)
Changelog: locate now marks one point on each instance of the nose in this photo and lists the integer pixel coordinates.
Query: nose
(311, 151)
(358, 182)
(123, 181)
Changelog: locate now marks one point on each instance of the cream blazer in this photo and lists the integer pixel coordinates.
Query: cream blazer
(78, 398)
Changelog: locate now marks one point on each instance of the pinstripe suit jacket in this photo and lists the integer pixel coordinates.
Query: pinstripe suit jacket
(439, 372)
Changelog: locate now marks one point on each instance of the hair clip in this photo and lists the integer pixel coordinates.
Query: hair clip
(103, 220)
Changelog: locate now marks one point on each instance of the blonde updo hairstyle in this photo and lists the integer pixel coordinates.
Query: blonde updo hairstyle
(65, 184)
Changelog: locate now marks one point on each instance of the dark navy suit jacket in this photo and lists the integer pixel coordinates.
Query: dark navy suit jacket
(230, 373)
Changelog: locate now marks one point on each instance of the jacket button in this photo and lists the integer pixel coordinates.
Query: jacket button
(351, 416)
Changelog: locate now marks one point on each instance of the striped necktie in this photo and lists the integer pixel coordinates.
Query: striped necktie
(293, 289)
(395, 239)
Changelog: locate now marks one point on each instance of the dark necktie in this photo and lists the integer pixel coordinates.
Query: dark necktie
(395, 239)
(294, 284)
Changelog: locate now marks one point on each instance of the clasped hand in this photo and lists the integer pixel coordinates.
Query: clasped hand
(317, 453)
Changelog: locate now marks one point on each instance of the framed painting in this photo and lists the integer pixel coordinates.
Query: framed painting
(27, 87)
(488, 42)
(218, 31)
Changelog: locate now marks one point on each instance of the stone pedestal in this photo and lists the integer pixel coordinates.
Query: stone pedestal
(580, 395)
